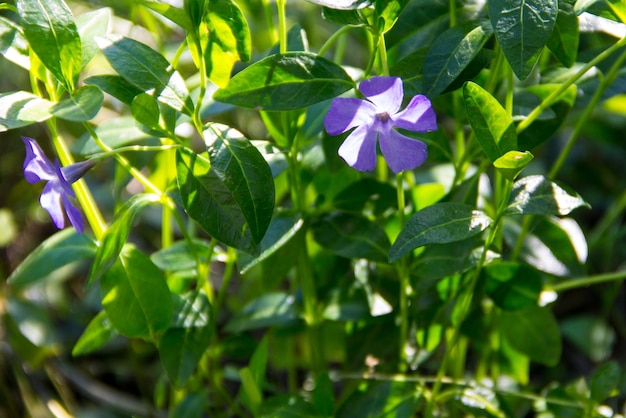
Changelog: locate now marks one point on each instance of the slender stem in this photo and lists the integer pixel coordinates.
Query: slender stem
(333, 38)
(588, 281)
(382, 52)
(537, 111)
(282, 25)
(404, 276)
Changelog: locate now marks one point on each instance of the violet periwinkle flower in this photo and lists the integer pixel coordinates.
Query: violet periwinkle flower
(57, 192)
(375, 120)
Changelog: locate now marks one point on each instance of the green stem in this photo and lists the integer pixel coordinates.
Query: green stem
(333, 38)
(404, 276)
(282, 25)
(537, 111)
(382, 52)
(588, 281)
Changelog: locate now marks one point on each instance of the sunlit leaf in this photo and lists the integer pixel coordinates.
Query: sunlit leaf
(99, 332)
(21, 108)
(83, 105)
(537, 195)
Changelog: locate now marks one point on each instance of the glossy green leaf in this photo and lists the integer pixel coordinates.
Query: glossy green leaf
(20, 108)
(512, 286)
(229, 40)
(116, 235)
(172, 13)
(61, 249)
(523, 28)
(494, 128)
(99, 332)
(147, 70)
(343, 4)
(285, 82)
(512, 163)
(135, 296)
(564, 39)
(283, 227)
(145, 110)
(83, 105)
(382, 399)
(52, 34)
(270, 309)
(116, 86)
(90, 26)
(439, 224)
(13, 45)
(605, 381)
(452, 52)
(388, 11)
(534, 332)
(187, 339)
(537, 195)
(343, 16)
(351, 236)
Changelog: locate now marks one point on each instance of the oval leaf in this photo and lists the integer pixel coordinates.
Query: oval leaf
(537, 195)
(82, 106)
(148, 70)
(452, 52)
(21, 108)
(352, 236)
(511, 164)
(533, 332)
(439, 224)
(285, 82)
(492, 125)
(135, 296)
(522, 28)
(51, 32)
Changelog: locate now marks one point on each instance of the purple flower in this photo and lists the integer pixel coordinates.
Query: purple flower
(57, 192)
(375, 120)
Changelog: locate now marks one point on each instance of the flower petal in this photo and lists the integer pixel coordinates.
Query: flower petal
(346, 113)
(73, 214)
(402, 153)
(385, 92)
(36, 165)
(418, 116)
(359, 149)
(51, 201)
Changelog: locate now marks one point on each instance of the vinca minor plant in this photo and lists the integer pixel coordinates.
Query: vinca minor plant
(254, 208)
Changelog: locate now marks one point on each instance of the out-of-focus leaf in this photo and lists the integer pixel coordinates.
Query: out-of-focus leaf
(13, 45)
(439, 224)
(20, 108)
(534, 332)
(604, 382)
(343, 4)
(512, 286)
(590, 334)
(523, 28)
(62, 248)
(135, 296)
(379, 399)
(52, 34)
(452, 52)
(285, 82)
(115, 133)
(271, 309)
(83, 105)
(170, 12)
(351, 236)
(179, 256)
(537, 195)
(192, 406)
(99, 332)
(91, 25)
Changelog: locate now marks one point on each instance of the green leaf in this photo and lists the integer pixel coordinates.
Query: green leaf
(285, 82)
(20, 108)
(452, 52)
(187, 339)
(605, 381)
(439, 224)
(147, 70)
(537, 195)
(179, 257)
(116, 132)
(90, 26)
(523, 28)
(83, 105)
(13, 45)
(494, 128)
(192, 406)
(145, 110)
(99, 332)
(343, 16)
(564, 39)
(512, 163)
(343, 4)
(116, 86)
(590, 334)
(351, 236)
(271, 309)
(382, 399)
(117, 233)
(61, 249)
(172, 13)
(135, 296)
(619, 9)
(253, 377)
(388, 11)
(283, 227)
(52, 34)
(512, 286)
(323, 395)
(534, 332)
(229, 40)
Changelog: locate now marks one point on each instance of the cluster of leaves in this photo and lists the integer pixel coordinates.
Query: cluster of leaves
(446, 274)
